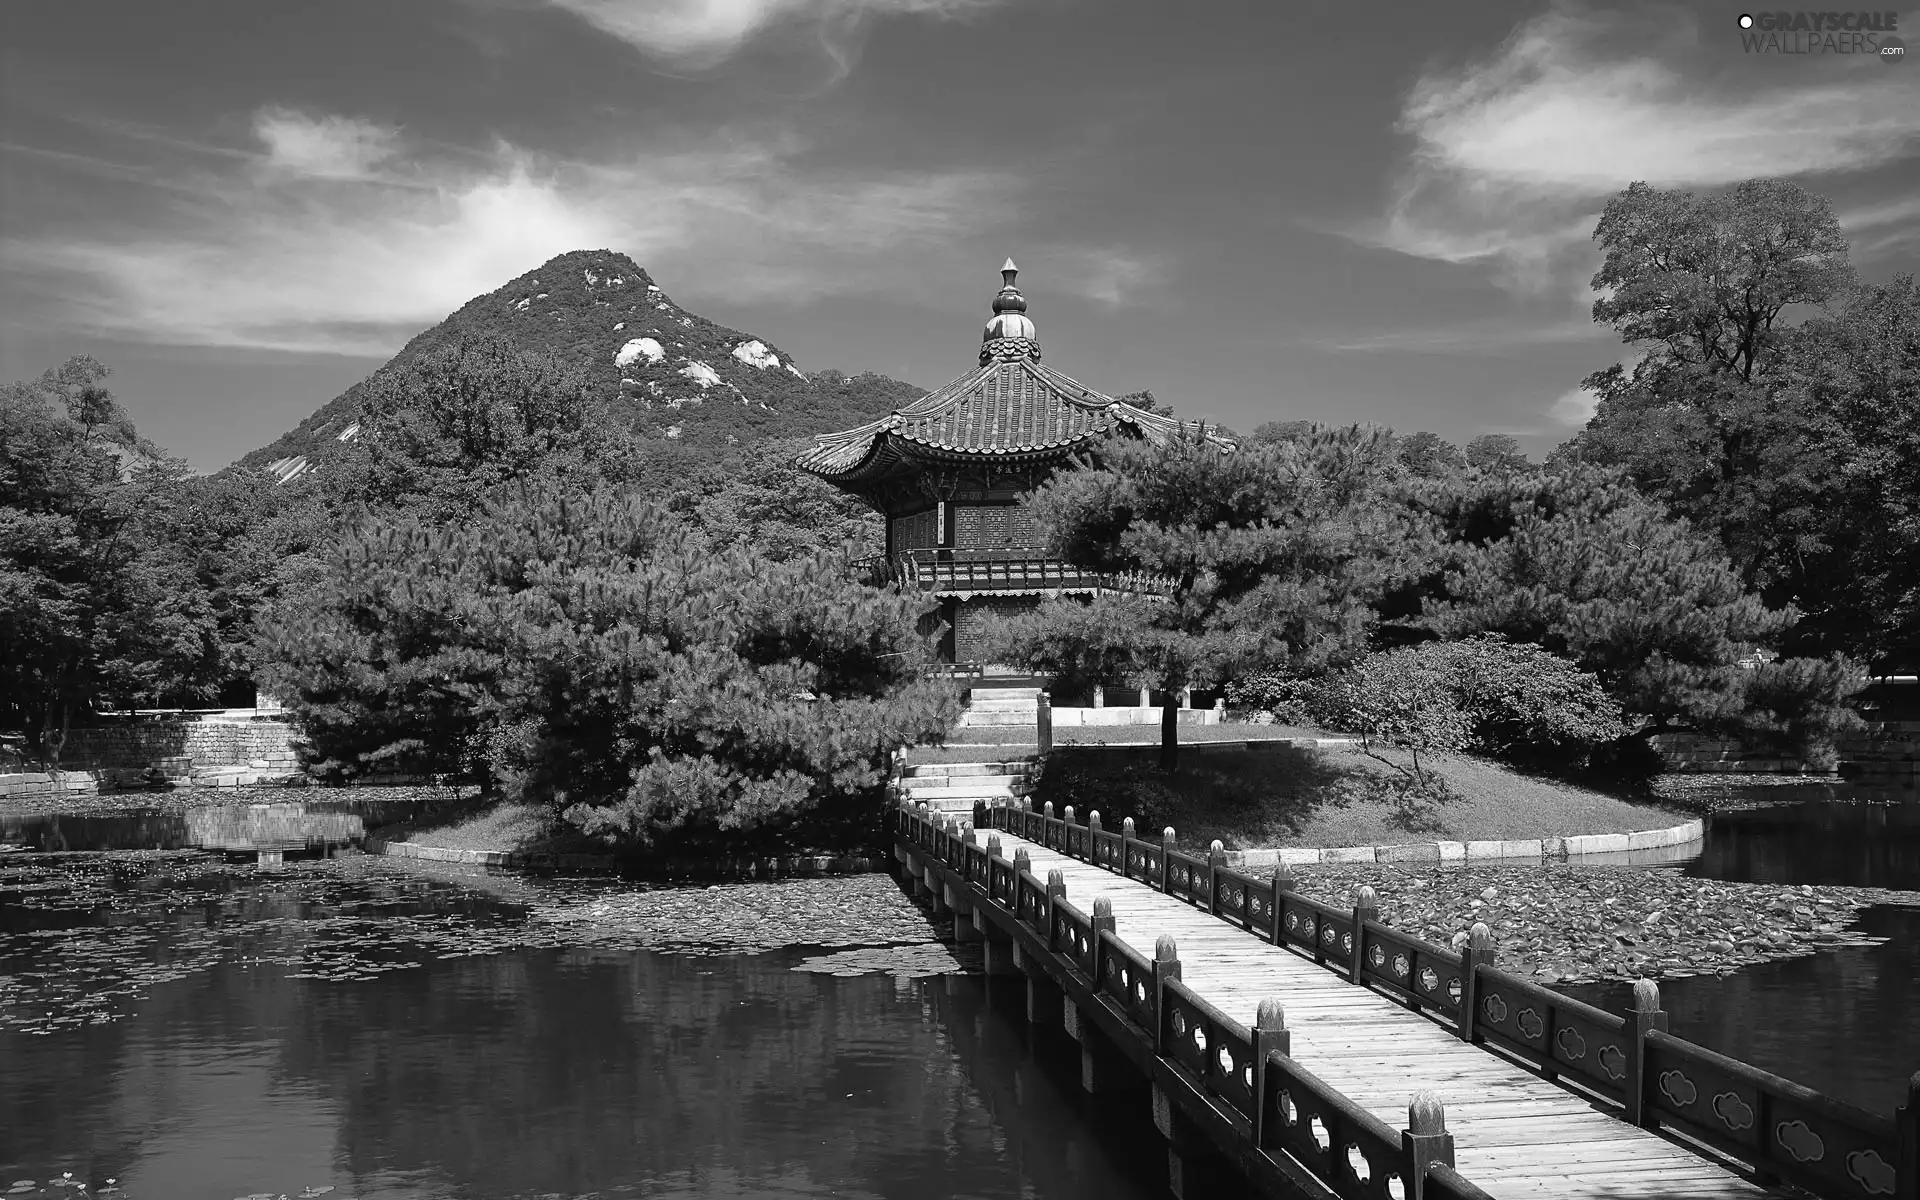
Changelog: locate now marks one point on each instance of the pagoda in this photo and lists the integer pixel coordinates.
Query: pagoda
(948, 471)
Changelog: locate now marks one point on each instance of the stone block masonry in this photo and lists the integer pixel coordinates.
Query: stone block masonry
(213, 743)
(201, 753)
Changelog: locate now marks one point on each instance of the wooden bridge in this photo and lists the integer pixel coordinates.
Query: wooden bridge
(1377, 1066)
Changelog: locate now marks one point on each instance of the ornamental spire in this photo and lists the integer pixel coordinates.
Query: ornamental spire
(1010, 334)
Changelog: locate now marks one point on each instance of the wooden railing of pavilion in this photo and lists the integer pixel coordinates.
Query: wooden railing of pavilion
(998, 570)
(1782, 1131)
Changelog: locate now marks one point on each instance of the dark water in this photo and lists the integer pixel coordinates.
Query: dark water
(221, 826)
(1845, 1020)
(349, 1027)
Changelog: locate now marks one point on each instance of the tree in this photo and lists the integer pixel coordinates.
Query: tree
(1856, 376)
(1576, 561)
(1496, 452)
(1429, 455)
(1700, 421)
(764, 500)
(439, 432)
(1271, 554)
(93, 604)
(592, 653)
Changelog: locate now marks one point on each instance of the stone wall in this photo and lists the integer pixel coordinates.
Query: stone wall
(1884, 746)
(201, 753)
(146, 743)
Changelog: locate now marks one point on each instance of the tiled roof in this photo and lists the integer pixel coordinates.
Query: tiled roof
(1008, 406)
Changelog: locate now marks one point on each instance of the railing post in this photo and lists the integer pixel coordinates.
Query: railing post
(1043, 722)
(1642, 1019)
(1478, 952)
(1906, 1131)
(1270, 1037)
(1366, 907)
(1066, 831)
(1166, 848)
(1056, 890)
(1216, 863)
(1424, 1142)
(1166, 967)
(1093, 837)
(1102, 921)
(1282, 884)
(1022, 863)
(1126, 847)
(980, 816)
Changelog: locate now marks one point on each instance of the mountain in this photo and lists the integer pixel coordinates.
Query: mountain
(696, 391)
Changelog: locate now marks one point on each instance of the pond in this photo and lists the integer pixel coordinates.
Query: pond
(173, 1024)
(1840, 1020)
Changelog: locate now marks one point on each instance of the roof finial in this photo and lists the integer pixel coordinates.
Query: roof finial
(1009, 299)
(1009, 334)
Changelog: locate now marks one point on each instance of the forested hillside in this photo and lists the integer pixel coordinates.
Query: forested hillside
(693, 393)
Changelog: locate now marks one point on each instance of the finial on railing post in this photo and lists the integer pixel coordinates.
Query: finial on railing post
(1067, 813)
(1056, 883)
(1643, 1018)
(1166, 969)
(1166, 851)
(1216, 863)
(993, 845)
(1093, 837)
(981, 815)
(1366, 907)
(1477, 953)
(1126, 827)
(1425, 1142)
(1270, 1037)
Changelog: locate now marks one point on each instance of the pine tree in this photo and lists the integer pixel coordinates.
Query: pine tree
(591, 652)
(1274, 553)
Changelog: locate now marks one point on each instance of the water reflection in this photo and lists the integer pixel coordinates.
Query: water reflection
(529, 1069)
(242, 828)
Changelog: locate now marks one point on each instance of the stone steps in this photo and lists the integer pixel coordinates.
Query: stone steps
(931, 770)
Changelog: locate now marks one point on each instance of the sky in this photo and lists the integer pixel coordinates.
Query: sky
(1308, 210)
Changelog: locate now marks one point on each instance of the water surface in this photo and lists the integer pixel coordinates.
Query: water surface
(192, 1028)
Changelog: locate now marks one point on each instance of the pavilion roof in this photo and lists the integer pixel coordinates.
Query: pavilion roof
(1010, 405)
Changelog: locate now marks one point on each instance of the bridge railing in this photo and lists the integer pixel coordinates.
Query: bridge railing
(1780, 1129)
(1358, 1156)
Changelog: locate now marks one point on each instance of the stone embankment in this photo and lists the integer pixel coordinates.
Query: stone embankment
(1546, 849)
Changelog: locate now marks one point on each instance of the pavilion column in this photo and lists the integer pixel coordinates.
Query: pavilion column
(1099, 695)
(1146, 698)
(1186, 697)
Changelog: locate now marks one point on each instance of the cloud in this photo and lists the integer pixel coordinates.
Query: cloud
(1477, 338)
(700, 33)
(336, 258)
(1514, 155)
(1112, 276)
(323, 147)
(1573, 407)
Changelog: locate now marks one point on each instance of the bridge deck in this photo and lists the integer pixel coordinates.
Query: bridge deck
(1515, 1134)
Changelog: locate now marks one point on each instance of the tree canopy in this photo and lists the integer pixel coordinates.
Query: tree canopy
(1272, 553)
(593, 653)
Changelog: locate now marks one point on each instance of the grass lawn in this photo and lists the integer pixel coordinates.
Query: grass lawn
(520, 828)
(1308, 796)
